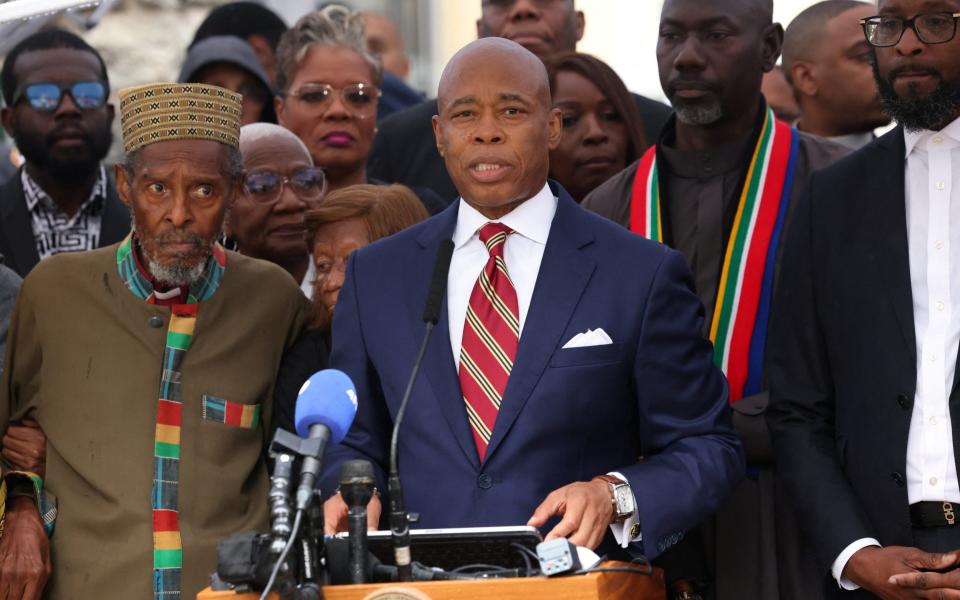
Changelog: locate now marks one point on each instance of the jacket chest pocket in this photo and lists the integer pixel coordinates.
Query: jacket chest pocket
(235, 414)
(588, 355)
(229, 433)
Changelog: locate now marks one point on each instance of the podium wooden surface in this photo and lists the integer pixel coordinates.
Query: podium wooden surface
(594, 586)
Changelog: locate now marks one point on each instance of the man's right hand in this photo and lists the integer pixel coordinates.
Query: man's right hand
(24, 445)
(24, 551)
(872, 567)
(335, 515)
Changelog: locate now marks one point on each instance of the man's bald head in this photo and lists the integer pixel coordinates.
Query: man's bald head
(803, 37)
(259, 135)
(498, 53)
(756, 13)
(496, 125)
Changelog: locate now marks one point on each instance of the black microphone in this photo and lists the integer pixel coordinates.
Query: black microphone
(356, 487)
(399, 520)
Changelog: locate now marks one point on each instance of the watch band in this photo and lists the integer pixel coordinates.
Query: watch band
(611, 479)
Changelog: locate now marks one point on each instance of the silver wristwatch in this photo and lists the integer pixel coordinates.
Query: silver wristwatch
(622, 497)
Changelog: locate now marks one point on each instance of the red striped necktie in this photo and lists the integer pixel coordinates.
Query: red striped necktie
(490, 337)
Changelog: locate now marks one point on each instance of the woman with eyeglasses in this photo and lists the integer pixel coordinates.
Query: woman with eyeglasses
(329, 89)
(281, 184)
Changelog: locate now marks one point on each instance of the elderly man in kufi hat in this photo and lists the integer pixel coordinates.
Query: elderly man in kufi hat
(150, 365)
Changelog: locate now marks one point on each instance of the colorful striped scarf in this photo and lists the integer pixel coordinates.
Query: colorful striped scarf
(167, 545)
(742, 309)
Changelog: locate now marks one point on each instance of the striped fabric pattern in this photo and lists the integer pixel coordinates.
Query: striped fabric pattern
(216, 409)
(164, 496)
(742, 307)
(491, 335)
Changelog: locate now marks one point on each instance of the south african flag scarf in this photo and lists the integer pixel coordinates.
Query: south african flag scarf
(167, 546)
(742, 309)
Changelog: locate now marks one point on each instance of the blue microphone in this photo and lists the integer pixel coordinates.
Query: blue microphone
(326, 406)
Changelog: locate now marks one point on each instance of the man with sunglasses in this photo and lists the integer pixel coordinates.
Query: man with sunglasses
(55, 88)
(866, 324)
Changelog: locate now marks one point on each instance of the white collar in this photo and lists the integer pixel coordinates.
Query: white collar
(532, 219)
(921, 139)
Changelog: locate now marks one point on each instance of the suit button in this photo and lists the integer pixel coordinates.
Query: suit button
(484, 482)
(897, 478)
(155, 322)
(903, 401)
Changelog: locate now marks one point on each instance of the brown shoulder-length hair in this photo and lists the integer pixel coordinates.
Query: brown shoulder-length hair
(611, 86)
(384, 209)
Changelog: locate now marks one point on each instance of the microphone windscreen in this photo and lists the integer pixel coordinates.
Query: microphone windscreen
(327, 398)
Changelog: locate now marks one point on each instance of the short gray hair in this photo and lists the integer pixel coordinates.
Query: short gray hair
(233, 171)
(334, 25)
(254, 132)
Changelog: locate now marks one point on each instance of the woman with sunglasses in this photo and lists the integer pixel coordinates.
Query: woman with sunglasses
(329, 89)
(281, 184)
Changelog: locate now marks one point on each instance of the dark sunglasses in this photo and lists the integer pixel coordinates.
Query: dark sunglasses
(264, 187)
(45, 96)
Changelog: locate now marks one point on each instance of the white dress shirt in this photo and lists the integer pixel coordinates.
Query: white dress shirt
(932, 205)
(523, 253)
(306, 286)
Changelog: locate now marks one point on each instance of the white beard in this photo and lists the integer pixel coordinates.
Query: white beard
(699, 114)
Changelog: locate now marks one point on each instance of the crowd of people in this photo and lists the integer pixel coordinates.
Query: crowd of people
(721, 334)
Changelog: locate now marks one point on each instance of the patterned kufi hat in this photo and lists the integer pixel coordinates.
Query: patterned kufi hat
(158, 112)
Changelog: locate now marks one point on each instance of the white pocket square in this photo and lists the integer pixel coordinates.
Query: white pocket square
(590, 337)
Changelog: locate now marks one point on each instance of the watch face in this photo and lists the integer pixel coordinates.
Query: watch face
(624, 500)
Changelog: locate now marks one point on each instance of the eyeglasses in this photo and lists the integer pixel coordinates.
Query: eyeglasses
(932, 28)
(46, 96)
(359, 98)
(264, 187)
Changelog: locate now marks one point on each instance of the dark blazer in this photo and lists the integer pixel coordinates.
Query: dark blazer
(842, 356)
(405, 149)
(16, 233)
(300, 361)
(567, 414)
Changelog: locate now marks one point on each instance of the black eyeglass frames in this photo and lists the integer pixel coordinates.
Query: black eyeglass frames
(930, 28)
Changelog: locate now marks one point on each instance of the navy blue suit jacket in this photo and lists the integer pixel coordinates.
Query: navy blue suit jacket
(651, 405)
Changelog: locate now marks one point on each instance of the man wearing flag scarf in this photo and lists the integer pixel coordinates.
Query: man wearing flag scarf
(155, 410)
(718, 187)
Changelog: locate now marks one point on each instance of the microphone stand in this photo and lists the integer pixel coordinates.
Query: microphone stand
(399, 519)
(284, 447)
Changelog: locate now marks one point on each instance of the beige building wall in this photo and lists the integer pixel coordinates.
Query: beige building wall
(623, 33)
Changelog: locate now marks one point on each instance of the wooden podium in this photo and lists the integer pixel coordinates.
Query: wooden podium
(595, 586)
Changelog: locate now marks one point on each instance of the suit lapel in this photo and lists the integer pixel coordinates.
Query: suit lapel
(17, 228)
(438, 366)
(887, 188)
(564, 273)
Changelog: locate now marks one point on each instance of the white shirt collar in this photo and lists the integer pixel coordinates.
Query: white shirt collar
(306, 286)
(921, 139)
(532, 219)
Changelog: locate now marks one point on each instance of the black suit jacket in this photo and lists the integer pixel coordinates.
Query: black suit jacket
(405, 149)
(842, 353)
(17, 244)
